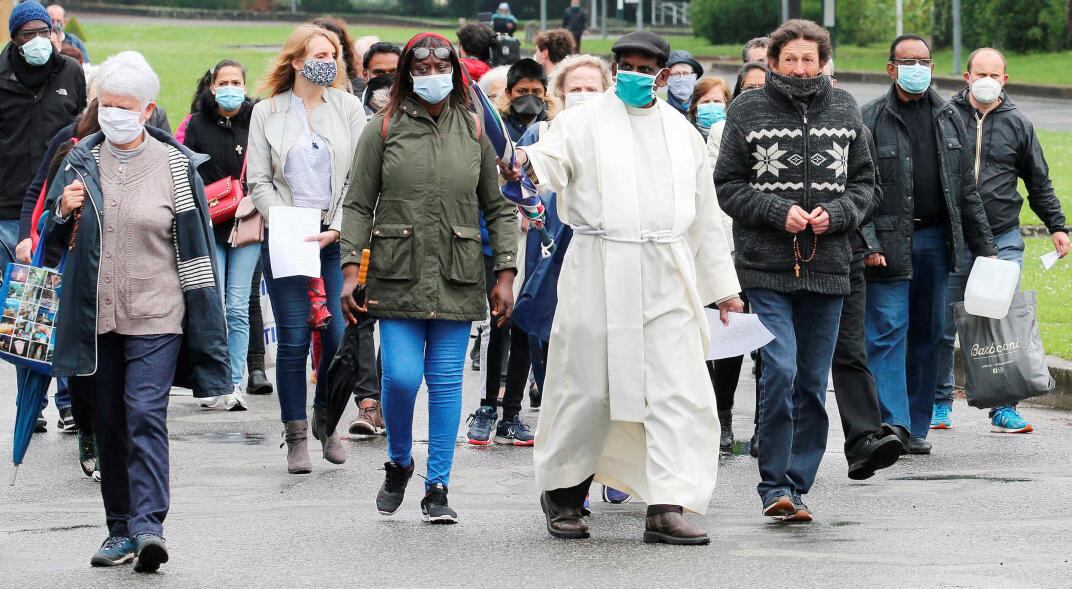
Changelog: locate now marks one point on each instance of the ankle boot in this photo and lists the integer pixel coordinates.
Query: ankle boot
(296, 436)
(334, 451)
(562, 521)
(666, 524)
(725, 440)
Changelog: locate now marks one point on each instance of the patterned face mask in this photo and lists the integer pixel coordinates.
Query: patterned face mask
(321, 73)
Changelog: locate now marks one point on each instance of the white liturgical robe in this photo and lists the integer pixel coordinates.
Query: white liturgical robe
(627, 396)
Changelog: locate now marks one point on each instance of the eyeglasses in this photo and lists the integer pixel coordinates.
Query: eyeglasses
(923, 62)
(27, 35)
(422, 53)
(682, 75)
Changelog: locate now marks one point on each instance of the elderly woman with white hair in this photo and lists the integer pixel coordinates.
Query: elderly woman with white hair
(139, 291)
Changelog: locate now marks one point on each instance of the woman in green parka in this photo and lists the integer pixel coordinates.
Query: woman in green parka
(422, 176)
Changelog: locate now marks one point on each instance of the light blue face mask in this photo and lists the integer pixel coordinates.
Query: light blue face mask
(709, 113)
(914, 79)
(435, 88)
(635, 90)
(230, 98)
(37, 51)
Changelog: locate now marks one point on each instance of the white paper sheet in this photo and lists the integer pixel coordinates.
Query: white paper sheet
(1048, 260)
(744, 334)
(291, 255)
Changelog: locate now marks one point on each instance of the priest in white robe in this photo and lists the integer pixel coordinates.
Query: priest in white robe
(627, 399)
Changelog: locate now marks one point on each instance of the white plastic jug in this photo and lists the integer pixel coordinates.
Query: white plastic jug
(991, 286)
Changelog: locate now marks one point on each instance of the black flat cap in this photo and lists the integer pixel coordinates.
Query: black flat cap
(645, 42)
(682, 56)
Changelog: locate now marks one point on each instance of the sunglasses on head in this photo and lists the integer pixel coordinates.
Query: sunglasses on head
(423, 52)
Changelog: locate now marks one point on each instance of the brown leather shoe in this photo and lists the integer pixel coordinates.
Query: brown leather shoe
(563, 522)
(369, 420)
(671, 527)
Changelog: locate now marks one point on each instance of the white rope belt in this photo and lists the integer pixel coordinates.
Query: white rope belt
(664, 236)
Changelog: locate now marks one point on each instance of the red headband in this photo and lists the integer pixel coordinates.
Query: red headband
(423, 36)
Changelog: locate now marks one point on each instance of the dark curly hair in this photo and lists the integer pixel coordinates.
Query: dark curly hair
(476, 40)
(559, 44)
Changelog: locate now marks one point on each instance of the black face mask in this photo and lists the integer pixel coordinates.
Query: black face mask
(528, 105)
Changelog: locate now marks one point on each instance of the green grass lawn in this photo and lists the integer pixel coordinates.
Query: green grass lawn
(1058, 149)
(1054, 309)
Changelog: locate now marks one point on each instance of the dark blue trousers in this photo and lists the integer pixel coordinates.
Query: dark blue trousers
(130, 399)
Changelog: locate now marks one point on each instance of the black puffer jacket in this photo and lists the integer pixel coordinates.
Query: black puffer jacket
(224, 140)
(892, 223)
(29, 120)
(1009, 150)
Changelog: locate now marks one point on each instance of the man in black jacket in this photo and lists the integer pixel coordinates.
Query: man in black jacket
(930, 208)
(575, 21)
(1005, 149)
(795, 175)
(41, 92)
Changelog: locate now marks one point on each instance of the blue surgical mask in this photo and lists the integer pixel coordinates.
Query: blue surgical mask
(37, 51)
(709, 113)
(914, 79)
(435, 88)
(681, 87)
(230, 98)
(635, 90)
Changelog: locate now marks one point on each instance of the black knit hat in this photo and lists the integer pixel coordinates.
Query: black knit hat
(644, 42)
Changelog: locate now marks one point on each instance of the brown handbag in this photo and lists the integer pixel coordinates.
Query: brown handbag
(249, 224)
(223, 197)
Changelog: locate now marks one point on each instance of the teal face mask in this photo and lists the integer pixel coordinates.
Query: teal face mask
(914, 79)
(230, 97)
(635, 90)
(709, 113)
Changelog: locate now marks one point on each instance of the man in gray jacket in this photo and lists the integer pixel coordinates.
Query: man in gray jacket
(1005, 149)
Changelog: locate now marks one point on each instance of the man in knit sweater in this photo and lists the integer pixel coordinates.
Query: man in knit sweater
(796, 176)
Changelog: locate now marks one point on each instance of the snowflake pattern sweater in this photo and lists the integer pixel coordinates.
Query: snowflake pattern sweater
(797, 141)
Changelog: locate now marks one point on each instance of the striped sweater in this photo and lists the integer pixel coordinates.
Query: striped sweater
(794, 142)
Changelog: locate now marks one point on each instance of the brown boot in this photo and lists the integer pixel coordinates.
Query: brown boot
(562, 521)
(296, 436)
(369, 421)
(334, 451)
(666, 524)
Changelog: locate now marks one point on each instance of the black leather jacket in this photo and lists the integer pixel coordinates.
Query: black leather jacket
(891, 227)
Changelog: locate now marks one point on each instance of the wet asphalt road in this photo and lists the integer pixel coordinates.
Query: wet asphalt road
(984, 510)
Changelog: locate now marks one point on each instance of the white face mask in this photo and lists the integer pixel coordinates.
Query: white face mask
(120, 126)
(578, 98)
(986, 90)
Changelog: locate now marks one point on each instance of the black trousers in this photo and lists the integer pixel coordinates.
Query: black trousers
(368, 369)
(255, 351)
(517, 373)
(854, 385)
(498, 344)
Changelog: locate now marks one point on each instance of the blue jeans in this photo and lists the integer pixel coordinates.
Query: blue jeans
(290, 305)
(130, 400)
(904, 328)
(433, 351)
(1010, 247)
(236, 266)
(9, 238)
(792, 409)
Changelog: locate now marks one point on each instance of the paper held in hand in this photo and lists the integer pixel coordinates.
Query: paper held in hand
(744, 334)
(1048, 260)
(291, 254)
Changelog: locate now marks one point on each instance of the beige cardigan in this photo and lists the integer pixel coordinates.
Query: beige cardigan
(271, 136)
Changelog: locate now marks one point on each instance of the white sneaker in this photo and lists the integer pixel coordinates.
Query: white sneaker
(208, 402)
(235, 401)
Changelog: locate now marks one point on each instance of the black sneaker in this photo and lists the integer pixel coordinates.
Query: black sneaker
(389, 499)
(535, 396)
(514, 432)
(41, 426)
(151, 553)
(66, 423)
(87, 454)
(434, 506)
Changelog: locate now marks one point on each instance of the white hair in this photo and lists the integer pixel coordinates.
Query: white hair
(492, 76)
(128, 74)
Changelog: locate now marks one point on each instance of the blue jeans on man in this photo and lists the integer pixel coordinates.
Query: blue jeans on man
(1010, 247)
(904, 329)
(792, 410)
